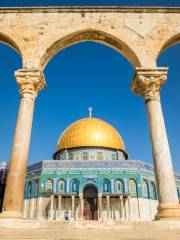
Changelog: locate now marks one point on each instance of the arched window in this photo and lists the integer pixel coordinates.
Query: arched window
(153, 191)
(49, 185)
(75, 186)
(119, 186)
(132, 187)
(106, 186)
(61, 186)
(145, 188)
(36, 187)
(30, 189)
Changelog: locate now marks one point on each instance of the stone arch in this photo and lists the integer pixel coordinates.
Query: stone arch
(171, 41)
(7, 40)
(90, 190)
(90, 35)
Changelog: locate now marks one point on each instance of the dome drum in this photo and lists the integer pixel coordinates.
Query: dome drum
(90, 153)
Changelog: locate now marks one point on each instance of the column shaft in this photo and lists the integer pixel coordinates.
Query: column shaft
(30, 82)
(81, 206)
(14, 193)
(108, 207)
(161, 154)
(147, 83)
(52, 207)
(121, 207)
(59, 206)
(72, 207)
(129, 207)
(100, 205)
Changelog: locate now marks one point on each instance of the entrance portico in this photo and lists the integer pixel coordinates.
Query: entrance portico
(90, 194)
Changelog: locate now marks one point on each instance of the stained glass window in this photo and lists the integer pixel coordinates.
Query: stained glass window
(99, 156)
(113, 156)
(71, 156)
(132, 187)
(85, 155)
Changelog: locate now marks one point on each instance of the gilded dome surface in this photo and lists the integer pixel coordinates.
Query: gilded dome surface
(90, 132)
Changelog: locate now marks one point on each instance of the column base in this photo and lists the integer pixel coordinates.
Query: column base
(11, 214)
(168, 211)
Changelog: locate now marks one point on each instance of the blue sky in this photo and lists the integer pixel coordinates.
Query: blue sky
(83, 75)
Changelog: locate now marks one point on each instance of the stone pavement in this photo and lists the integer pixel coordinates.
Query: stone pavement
(49, 230)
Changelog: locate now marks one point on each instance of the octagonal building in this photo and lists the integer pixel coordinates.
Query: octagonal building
(91, 178)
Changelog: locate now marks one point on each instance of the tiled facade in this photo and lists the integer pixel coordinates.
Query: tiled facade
(127, 186)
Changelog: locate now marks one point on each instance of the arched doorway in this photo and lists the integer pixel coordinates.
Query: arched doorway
(90, 194)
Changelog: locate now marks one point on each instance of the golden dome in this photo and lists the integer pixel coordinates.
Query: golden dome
(90, 132)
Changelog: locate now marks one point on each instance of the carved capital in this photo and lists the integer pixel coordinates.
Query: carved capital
(30, 82)
(147, 82)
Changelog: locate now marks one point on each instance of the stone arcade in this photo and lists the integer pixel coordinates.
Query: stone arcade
(140, 34)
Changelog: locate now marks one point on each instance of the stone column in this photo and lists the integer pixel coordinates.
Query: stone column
(39, 210)
(52, 207)
(121, 207)
(81, 206)
(59, 206)
(108, 207)
(30, 82)
(100, 205)
(129, 207)
(32, 207)
(72, 207)
(147, 83)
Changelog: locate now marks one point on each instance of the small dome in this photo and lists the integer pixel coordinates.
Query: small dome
(90, 132)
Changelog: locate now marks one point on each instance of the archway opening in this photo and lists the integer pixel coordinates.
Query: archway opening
(10, 60)
(90, 194)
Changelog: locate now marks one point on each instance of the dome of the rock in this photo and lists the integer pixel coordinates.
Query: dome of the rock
(90, 132)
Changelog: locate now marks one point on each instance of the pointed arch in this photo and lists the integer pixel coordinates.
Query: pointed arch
(90, 35)
(106, 186)
(171, 41)
(119, 185)
(133, 187)
(6, 39)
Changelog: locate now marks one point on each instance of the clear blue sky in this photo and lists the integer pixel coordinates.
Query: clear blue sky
(88, 74)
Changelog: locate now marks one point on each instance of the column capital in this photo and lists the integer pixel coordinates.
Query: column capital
(147, 82)
(30, 82)
(100, 195)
